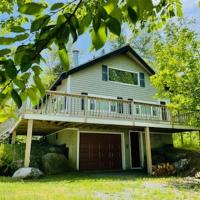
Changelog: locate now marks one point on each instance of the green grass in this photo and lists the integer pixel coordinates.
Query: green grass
(107, 186)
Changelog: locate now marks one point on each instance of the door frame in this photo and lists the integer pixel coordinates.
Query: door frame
(98, 132)
(141, 149)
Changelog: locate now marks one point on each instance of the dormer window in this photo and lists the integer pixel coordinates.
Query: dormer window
(122, 76)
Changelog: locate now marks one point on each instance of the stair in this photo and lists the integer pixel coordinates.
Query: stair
(6, 129)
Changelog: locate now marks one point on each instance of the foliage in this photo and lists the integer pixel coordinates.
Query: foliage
(177, 62)
(47, 25)
(9, 154)
(189, 140)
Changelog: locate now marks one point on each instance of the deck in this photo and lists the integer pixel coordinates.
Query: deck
(64, 107)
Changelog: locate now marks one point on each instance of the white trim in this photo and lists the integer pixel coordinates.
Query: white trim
(141, 149)
(77, 150)
(122, 144)
(69, 84)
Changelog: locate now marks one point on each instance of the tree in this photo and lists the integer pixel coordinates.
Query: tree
(177, 62)
(55, 25)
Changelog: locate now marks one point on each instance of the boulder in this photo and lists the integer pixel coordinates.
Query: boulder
(27, 172)
(54, 163)
(181, 165)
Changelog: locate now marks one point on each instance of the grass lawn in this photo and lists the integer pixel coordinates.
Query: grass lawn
(123, 185)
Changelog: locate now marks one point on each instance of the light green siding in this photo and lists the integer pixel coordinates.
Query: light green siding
(69, 138)
(90, 80)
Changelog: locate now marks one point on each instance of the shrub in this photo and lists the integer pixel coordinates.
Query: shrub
(11, 158)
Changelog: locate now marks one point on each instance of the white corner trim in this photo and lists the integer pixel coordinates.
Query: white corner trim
(68, 84)
(123, 151)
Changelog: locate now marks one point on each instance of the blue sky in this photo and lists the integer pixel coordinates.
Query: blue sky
(190, 10)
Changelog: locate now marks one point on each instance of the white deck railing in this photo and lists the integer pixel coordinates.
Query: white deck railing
(64, 104)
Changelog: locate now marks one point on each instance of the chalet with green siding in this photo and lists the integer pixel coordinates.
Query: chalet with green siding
(104, 112)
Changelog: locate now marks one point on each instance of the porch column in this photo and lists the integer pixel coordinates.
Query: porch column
(28, 143)
(148, 150)
(13, 139)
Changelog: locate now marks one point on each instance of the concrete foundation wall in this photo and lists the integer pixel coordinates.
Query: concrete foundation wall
(69, 138)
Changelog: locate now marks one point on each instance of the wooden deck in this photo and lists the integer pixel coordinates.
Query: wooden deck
(60, 106)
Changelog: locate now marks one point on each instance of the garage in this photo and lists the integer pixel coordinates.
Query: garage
(100, 151)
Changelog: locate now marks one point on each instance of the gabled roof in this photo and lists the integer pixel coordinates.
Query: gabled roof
(124, 50)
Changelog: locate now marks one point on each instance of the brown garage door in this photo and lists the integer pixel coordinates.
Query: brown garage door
(100, 151)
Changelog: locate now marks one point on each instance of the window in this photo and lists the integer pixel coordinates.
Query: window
(142, 80)
(83, 101)
(123, 76)
(104, 73)
(112, 106)
(130, 106)
(120, 105)
(137, 109)
(92, 104)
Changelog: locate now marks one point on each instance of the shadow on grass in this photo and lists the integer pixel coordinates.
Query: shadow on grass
(83, 176)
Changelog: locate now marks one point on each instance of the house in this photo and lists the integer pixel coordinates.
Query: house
(105, 112)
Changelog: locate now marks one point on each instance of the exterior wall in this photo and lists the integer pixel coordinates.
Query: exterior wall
(69, 138)
(160, 140)
(90, 81)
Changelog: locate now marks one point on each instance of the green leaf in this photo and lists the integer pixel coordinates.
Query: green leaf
(39, 85)
(37, 69)
(132, 14)
(61, 19)
(16, 98)
(2, 77)
(17, 29)
(113, 25)
(32, 93)
(73, 33)
(74, 22)
(96, 22)
(31, 8)
(10, 69)
(6, 40)
(85, 22)
(64, 58)
(40, 22)
(4, 52)
(63, 34)
(21, 37)
(19, 83)
(26, 61)
(99, 38)
(57, 6)
(112, 9)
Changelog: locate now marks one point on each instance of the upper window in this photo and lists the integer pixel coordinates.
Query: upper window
(123, 76)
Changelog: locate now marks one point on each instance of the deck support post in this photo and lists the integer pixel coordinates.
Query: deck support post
(13, 138)
(148, 150)
(28, 143)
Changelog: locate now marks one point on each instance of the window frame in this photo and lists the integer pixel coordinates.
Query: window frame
(133, 72)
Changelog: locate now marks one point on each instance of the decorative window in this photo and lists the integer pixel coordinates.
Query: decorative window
(123, 76)
(104, 73)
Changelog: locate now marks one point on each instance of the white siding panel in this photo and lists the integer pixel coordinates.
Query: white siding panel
(90, 80)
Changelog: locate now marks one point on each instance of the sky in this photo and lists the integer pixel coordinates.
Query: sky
(190, 10)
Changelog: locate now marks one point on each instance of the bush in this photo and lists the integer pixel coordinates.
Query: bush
(12, 155)
(11, 158)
